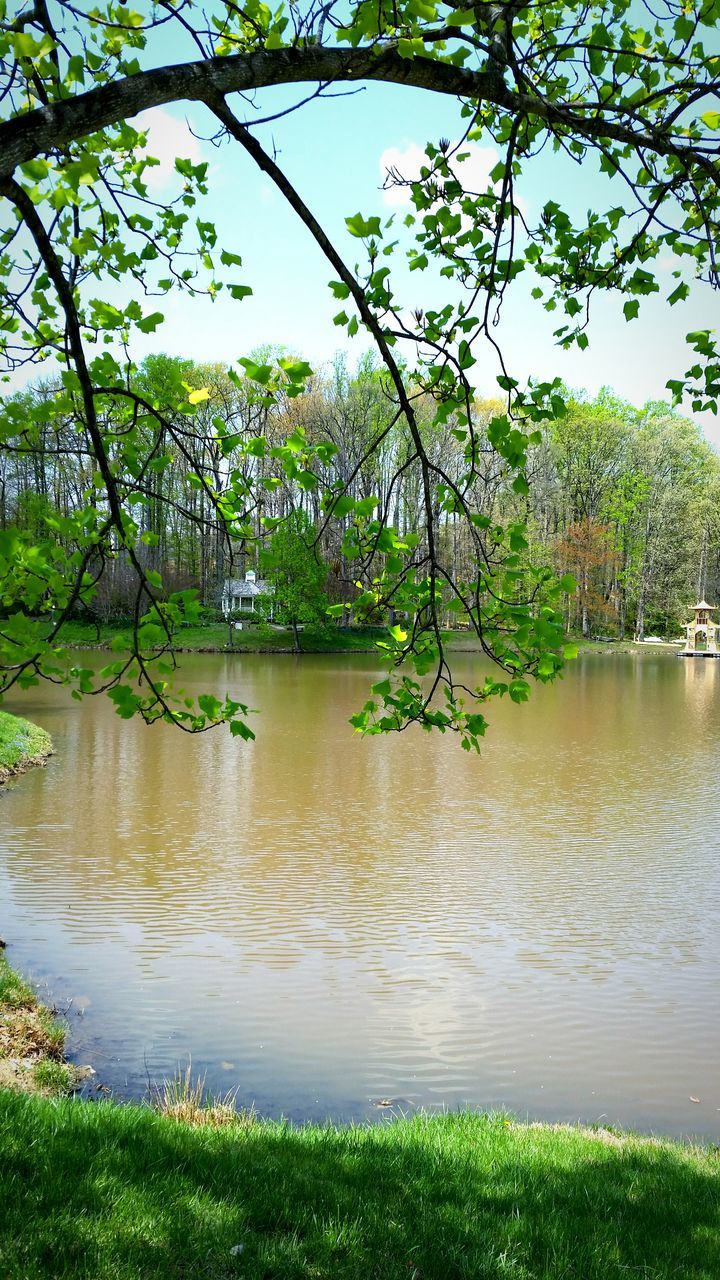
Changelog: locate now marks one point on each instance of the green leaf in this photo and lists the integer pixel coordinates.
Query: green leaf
(476, 725)
(363, 227)
(410, 48)
(365, 507)
(342, 506)
(36, 170)
(210, 706)
(76, 70)
(461, 18)
(297, 370)
(239, 729)
(261, 373)
(149, 324)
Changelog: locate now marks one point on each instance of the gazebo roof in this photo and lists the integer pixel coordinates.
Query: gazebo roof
(704, 605)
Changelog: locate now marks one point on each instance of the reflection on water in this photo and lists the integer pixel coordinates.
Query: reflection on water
(325, 922)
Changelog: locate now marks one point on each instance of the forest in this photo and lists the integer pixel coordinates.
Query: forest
(621, 499)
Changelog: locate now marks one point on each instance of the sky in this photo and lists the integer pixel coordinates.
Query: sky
(337, 151)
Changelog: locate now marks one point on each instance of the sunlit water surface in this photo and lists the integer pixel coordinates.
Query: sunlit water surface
(327, 924)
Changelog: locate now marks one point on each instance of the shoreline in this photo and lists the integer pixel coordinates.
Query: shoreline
(32, 1041)
(23, 746)
(189, 1186)
(184, 1098)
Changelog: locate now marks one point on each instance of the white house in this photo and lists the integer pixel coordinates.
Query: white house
(243, 593)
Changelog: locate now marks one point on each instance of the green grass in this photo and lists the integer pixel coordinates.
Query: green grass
(213, 637)
(31, 1041)
(621, 646)
(95, 1190)
(14, 992)
(21, 743)
(53, 1077)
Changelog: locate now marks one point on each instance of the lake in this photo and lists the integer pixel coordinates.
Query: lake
(328, 924)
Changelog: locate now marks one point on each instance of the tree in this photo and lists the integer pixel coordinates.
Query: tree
(626, 92)
(297, 575)
(587, 551)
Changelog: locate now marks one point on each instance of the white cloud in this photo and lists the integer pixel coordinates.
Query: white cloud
(473, 172)
(167, 137)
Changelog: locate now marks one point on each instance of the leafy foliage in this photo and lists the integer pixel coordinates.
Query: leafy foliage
(297, 574)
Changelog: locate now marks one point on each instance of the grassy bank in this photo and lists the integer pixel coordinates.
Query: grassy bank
(22, 745)
(214, 638)
(623, 646)
(93, 1191)
(31, 1041)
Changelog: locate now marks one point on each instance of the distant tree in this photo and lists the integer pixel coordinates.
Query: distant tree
(587, 551)
(297, 574)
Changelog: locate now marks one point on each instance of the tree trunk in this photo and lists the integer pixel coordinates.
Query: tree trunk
(585, 622)
(640, 620)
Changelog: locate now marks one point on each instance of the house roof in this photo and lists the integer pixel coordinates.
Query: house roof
(246, 587)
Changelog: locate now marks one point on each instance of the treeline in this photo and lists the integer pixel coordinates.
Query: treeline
(624, 499)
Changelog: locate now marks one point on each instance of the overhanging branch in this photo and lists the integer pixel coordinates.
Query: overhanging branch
(40, 131)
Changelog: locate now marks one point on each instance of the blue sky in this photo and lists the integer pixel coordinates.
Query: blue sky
(332, 150)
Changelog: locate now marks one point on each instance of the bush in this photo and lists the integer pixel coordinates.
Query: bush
(245, 615)
(210, 615)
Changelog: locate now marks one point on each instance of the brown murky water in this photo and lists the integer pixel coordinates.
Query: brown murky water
(326, 923)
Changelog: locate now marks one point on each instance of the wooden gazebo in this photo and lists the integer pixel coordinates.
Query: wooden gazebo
(701, 635)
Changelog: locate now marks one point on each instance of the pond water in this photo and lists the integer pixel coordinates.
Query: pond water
(328, 924)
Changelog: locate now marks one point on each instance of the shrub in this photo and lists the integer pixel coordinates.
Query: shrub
(245, 615)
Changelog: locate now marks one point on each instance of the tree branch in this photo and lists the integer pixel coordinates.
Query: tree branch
(40, 131)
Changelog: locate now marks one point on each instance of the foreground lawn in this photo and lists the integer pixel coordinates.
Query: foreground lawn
(96, 1190)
